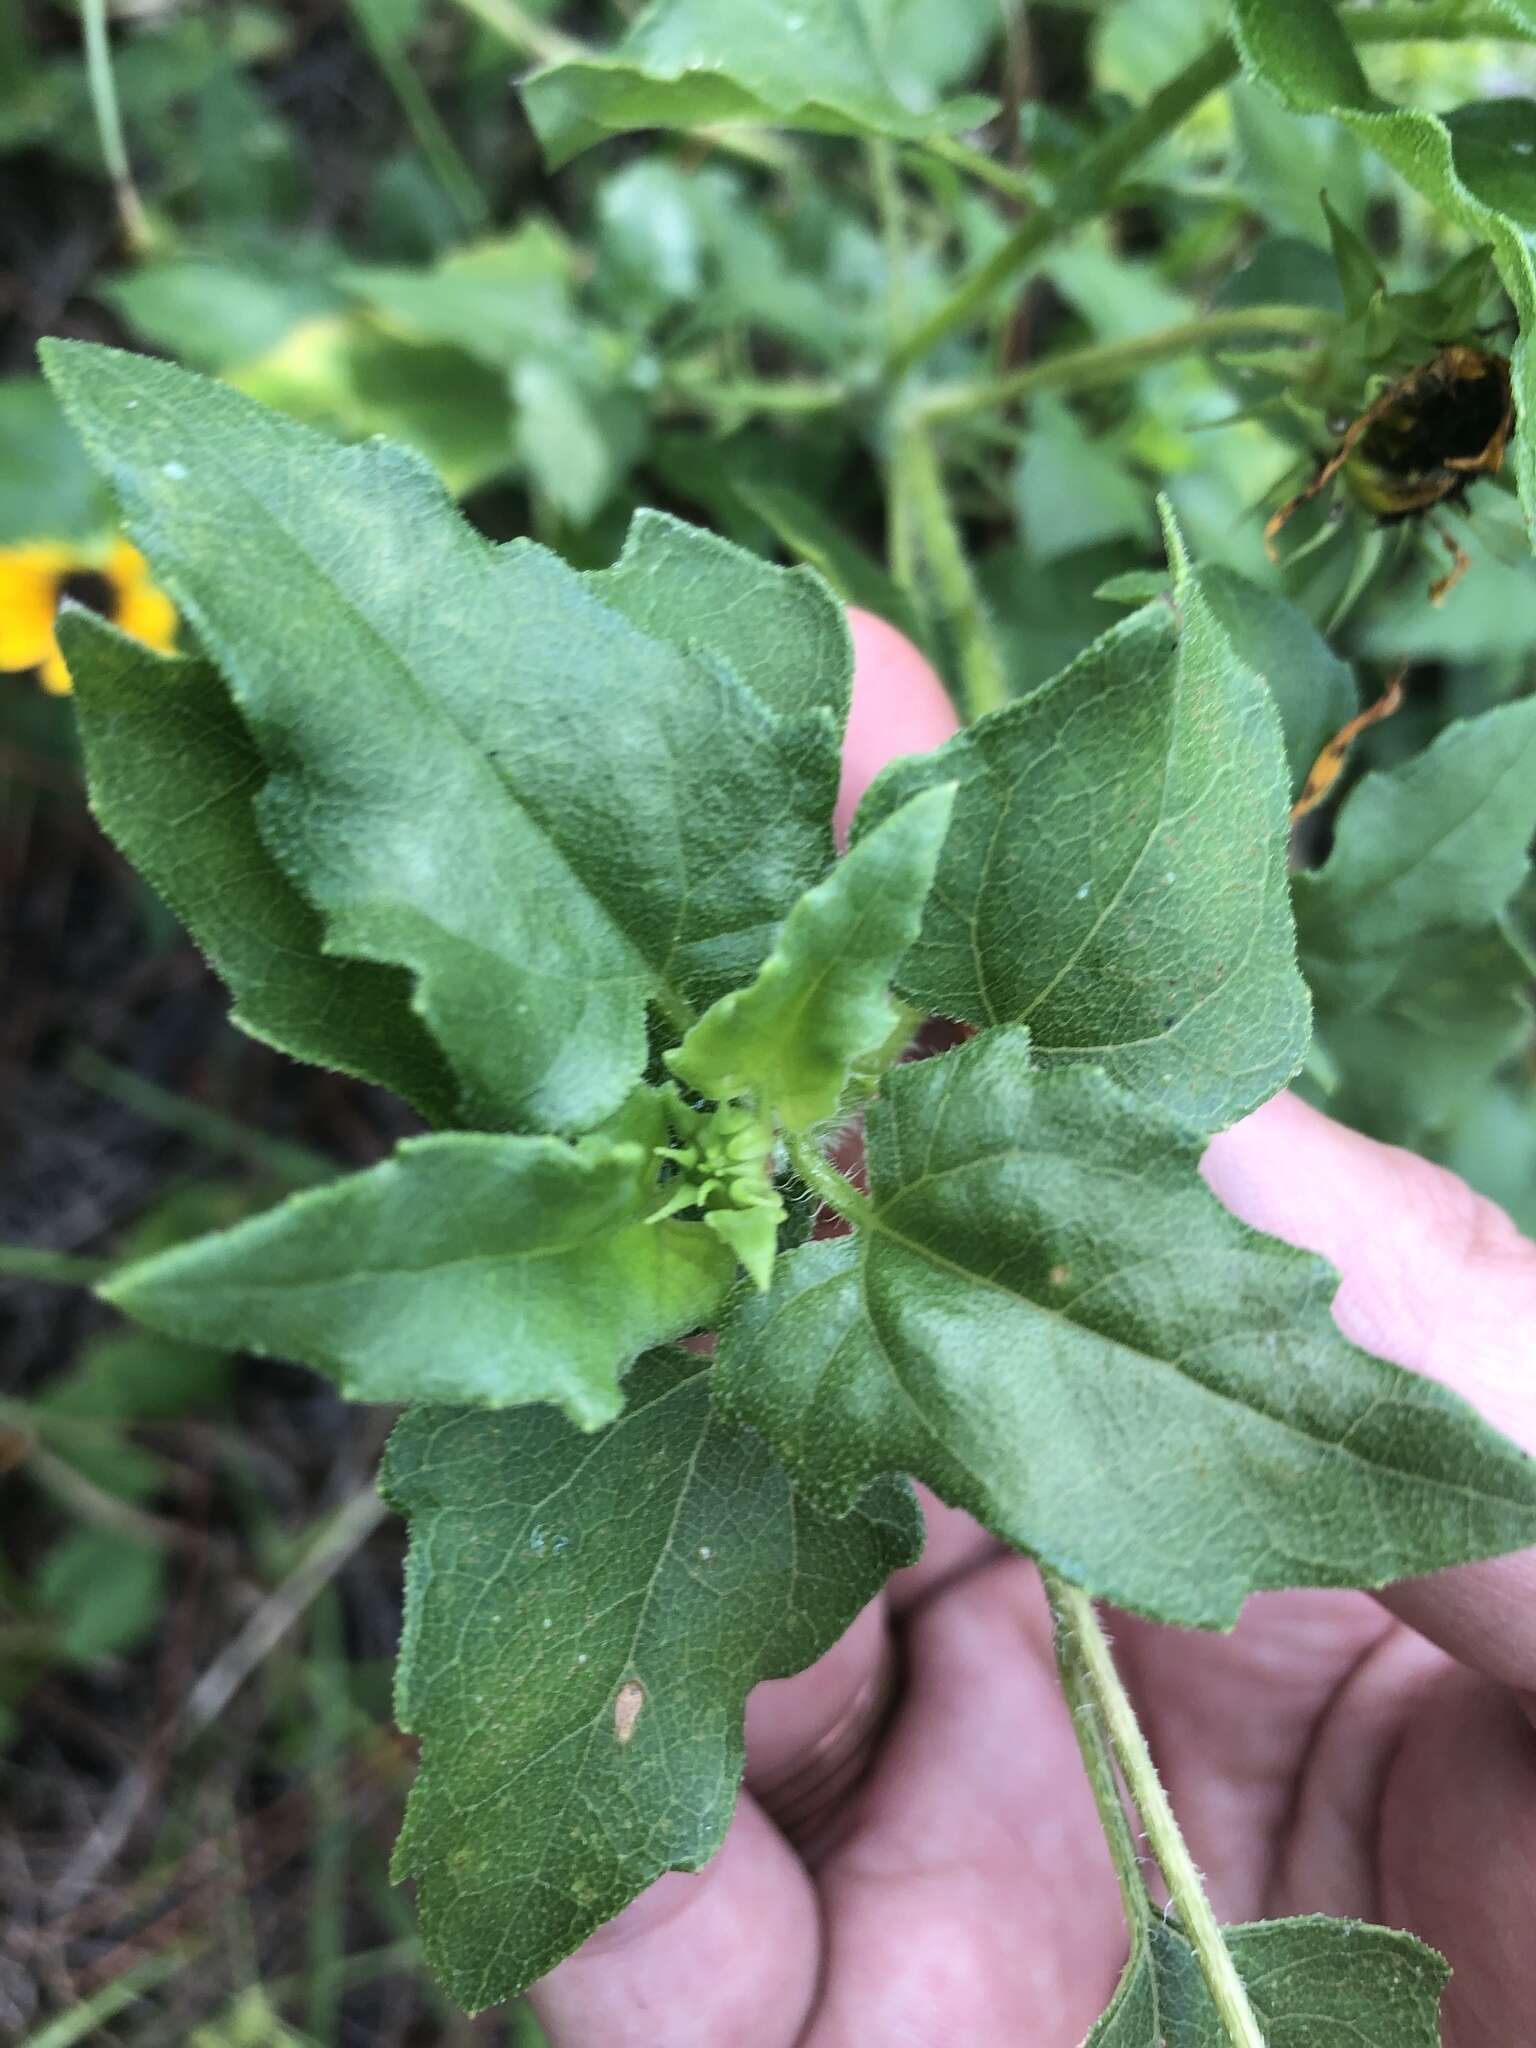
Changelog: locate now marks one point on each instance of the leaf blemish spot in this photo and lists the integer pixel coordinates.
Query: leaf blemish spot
(626, 1709)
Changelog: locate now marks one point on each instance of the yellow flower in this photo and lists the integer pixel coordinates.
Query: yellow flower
(36, 579)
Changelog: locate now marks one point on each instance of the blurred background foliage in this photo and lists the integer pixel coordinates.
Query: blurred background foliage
(345, 212)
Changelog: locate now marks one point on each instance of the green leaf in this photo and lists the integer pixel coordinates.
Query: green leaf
(1314, 691)
(499, 300)
(575, 442)
(792, 1038)
(349, 376)
(105, 1592)
(1438, 843)
(471, 1268)
(1410, 1064)
(584, 1619)
(781, 631)
(1050, 1319)
(1313, 1983)
(1115, 873)
(1072, 489)
(1493, 1147)
(174, 779)
(1300, 51)
(48, 490)
(818, 539)
(1494, 141)
(213, 312)
(695, 63)
(478, 771)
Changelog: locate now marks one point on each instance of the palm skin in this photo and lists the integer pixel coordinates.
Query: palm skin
(1338, 1753)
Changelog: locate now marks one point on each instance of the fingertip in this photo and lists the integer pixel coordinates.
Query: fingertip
(899, 707)
(730, 1953)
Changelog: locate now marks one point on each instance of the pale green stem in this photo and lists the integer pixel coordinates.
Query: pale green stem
(109, 126)
(893, 235)
(703, 390)
(986, 170)
(1091, 184)
(57, 1269)
(1098, 1758)
(1083, 369)
(982, 680)
(825, 1182)
(209, 1127)
(525, 31)
(426, 124)
(1088, 1645)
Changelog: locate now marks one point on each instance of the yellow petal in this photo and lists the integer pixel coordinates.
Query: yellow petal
(29, 597)
(54, 676)
(143, 609)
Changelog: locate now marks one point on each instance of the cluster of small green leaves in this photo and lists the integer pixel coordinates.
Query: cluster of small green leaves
(546, 849)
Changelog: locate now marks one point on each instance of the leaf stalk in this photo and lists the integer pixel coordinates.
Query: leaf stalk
(824, 1181)
(1085, 369)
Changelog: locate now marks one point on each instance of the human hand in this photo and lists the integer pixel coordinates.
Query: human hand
(1338, 1753)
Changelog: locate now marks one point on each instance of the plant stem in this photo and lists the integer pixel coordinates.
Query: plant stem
(109, 127)
(1082, 1635)
(1081, 369)
(209, 1127)
(986, 170)
(1098, 1759)
(524, 31)
(1084, 192)
(57, 1269)
(893, 227)
(824, 1181)
(1090, 186)
(702, 391)
(983, 683)
(452, 173)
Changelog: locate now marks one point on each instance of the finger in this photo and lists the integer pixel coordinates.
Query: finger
(955, 1544)
(1434, 1278)
(790, 1720)
(729, 1955)
(975, 1900)
(899, 707)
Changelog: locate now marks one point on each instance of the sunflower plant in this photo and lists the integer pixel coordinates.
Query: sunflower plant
(546, 848)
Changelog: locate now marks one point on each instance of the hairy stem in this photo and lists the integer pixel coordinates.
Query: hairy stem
(826, 1183)
(1082, 369)
(1081, 1633)
(109, 126)
(983, 684)
(1090, 186)
(1098, 1758)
